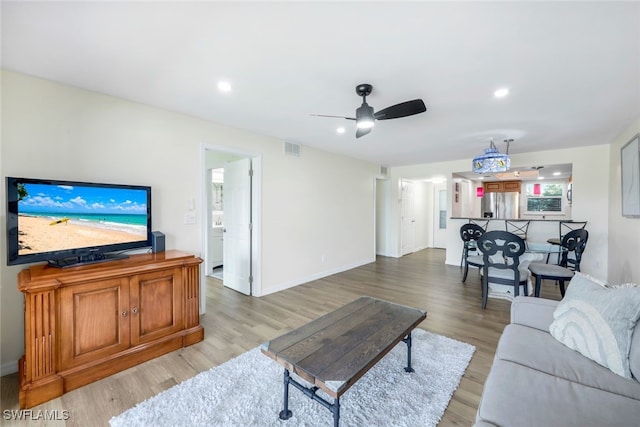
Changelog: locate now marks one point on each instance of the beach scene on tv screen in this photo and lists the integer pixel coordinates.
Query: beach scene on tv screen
(62, 217)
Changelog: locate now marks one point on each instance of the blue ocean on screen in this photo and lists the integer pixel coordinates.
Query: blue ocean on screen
(124, 219)
(122, 209)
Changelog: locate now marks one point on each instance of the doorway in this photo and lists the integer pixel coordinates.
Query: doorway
(231, 220)
(408, 218)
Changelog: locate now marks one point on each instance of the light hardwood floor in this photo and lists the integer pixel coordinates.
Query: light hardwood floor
(235, 323)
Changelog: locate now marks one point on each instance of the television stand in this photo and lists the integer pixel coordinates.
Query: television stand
(85, 323)
(85, 259)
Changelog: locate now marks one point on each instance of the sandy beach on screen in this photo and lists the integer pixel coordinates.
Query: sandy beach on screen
(37, 235)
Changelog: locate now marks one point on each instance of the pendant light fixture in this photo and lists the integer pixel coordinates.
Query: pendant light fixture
(492, 160)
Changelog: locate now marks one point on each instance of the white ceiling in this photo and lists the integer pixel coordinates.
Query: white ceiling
(573, 68)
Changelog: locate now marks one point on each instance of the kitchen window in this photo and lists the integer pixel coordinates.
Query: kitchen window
(545, 198)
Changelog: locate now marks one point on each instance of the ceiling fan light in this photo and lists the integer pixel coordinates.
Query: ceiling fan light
(364, 117)
(501, 93)
(365, 123)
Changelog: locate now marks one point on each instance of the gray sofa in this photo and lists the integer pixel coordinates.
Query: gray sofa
(537, 381)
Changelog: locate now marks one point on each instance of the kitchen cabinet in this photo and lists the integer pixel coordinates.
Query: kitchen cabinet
(88, 322)
(502, 186)
(216, 242)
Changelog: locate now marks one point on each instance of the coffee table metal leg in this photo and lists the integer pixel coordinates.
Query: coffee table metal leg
(285, 414)
(335, 408)
(407, 341)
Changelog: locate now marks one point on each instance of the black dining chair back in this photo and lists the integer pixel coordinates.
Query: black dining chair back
(501, 251)
(565, 227)
(575, 242)
(470, 233)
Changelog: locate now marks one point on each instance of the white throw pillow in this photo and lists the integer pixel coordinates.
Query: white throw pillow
(598, 322)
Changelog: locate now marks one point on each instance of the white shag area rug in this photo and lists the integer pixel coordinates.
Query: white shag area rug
(248, 391)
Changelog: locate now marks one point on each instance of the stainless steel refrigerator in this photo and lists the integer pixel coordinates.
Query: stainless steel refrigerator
(501, 205)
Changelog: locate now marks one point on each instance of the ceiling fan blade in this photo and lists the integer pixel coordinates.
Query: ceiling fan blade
(404, 109)
(362, 132)
(335, 117)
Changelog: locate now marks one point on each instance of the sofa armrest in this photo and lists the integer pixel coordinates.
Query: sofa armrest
(533, 312)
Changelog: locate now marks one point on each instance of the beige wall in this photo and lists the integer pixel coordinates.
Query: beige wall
(624, 233)
(317, 210)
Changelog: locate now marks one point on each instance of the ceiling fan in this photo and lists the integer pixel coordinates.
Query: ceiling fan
(365, 116)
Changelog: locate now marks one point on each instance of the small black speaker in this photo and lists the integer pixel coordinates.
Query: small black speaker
(157, 241)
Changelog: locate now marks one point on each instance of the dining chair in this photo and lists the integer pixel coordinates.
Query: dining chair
(564, 227)
(575, 241)
(470, 233)
(501, 251)
(519, 227)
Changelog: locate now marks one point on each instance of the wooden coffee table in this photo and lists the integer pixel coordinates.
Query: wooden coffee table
(335, 350)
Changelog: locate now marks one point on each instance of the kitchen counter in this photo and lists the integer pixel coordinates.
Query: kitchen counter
(510, 219)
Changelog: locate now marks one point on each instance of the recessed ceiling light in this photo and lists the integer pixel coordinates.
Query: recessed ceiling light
(541, 177)
(481, 177)
(557, 173)
(224, 86)
(501, 93)
(341, 130)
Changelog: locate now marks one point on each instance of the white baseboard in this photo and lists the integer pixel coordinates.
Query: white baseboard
(8, 368)
(320, 275)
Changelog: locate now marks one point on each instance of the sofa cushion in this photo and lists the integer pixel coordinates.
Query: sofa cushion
(540, 351)
(598, 322)
(533, 312)
(634, 354)
(515, 395)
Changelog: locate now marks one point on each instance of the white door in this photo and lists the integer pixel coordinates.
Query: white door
(237, 226)
(408, 218)
(440, 215)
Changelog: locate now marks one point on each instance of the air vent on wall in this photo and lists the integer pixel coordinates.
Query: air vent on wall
(384, 171)
(291, 149)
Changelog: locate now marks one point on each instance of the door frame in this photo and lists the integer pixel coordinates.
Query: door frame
(256, 215)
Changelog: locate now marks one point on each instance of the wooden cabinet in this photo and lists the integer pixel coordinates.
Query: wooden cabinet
(493, 187)
(511, 186)
(88, 322)
(502, 186)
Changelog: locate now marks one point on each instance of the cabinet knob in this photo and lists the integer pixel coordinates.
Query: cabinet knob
(124, 313)
(134, 310)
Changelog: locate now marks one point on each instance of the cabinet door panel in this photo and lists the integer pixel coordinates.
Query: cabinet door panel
(492, 187)
(93, 321)
(156, 305)
(512, 186)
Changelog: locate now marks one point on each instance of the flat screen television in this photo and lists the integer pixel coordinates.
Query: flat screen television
(68, 222)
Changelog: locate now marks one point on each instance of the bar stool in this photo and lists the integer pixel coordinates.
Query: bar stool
(519, 227)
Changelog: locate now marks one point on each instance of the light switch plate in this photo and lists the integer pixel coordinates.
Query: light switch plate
(190, 218)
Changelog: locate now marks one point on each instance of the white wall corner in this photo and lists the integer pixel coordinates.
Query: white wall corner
(8, 368)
